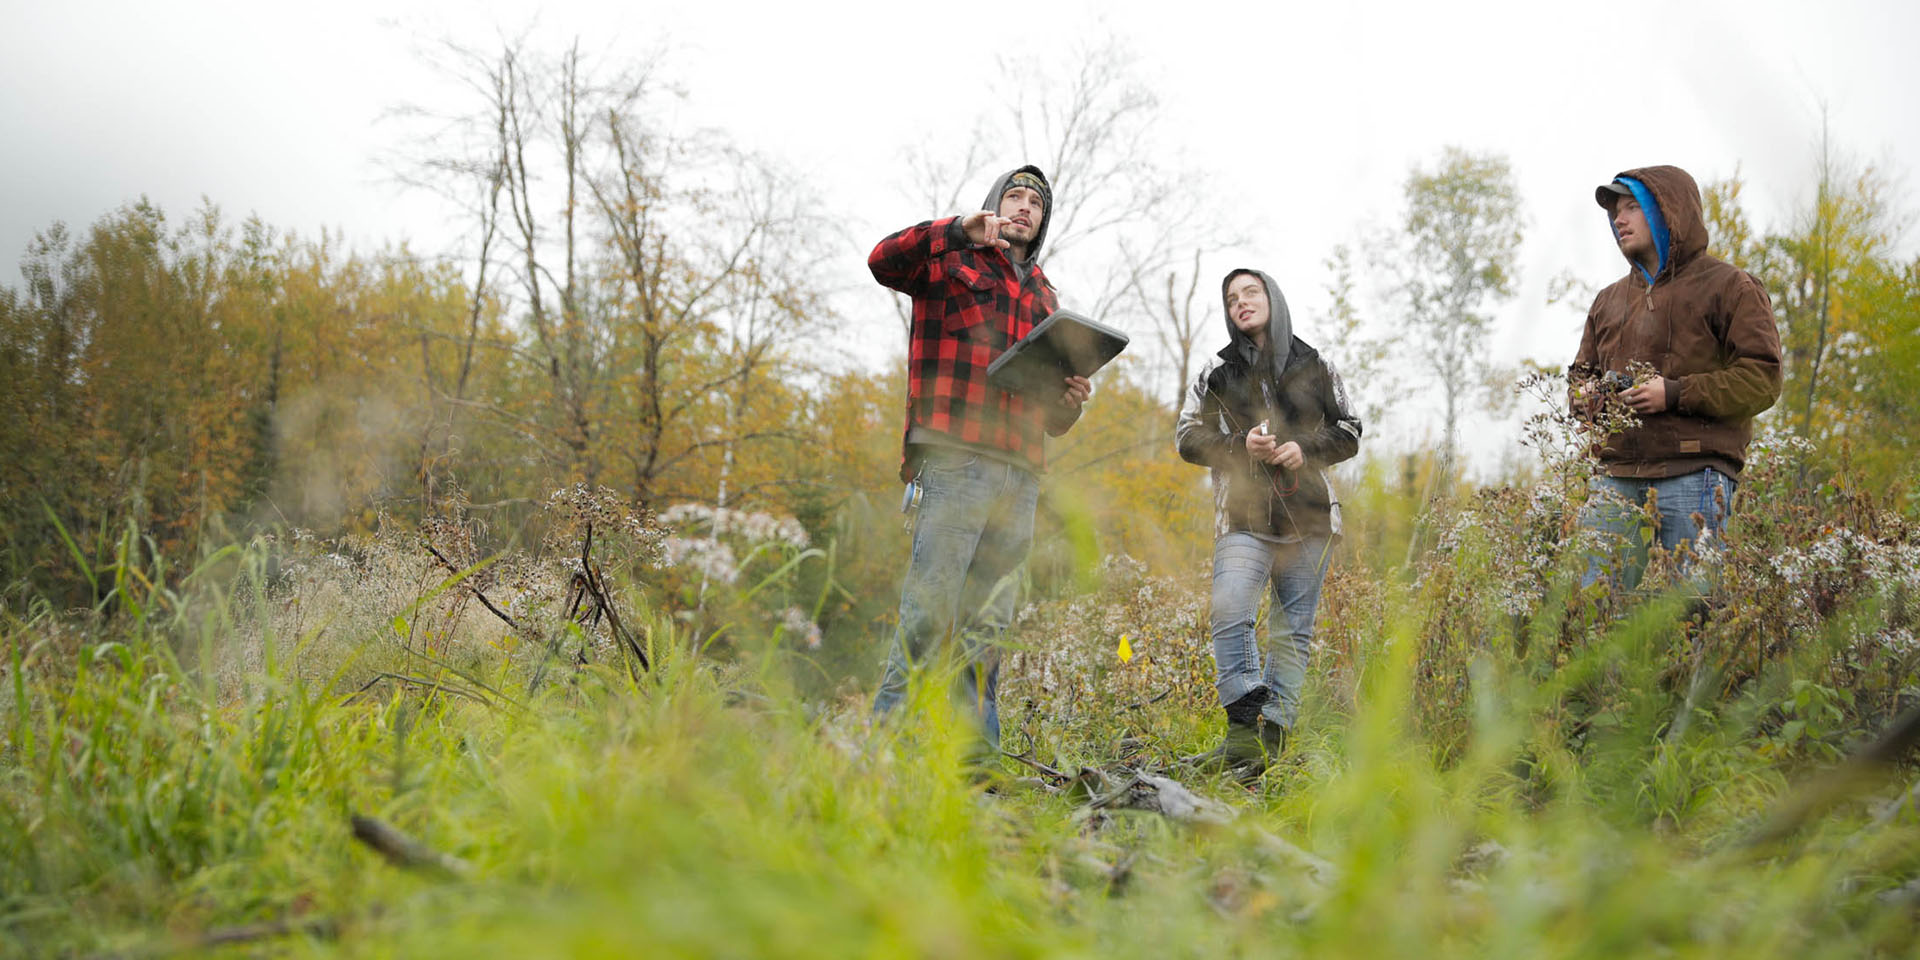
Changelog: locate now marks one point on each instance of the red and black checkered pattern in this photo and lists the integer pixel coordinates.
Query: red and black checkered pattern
(969, 305)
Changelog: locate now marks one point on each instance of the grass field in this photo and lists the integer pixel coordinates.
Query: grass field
(1558, 775)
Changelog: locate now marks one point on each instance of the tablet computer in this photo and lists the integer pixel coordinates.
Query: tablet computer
(1065, 344)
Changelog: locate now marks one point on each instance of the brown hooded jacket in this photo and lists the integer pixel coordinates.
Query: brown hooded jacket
(1706, 325)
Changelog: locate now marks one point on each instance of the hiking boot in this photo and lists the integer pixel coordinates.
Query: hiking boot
(1244, 750)
(1273, 740)
(981, 767)
(1240, 749)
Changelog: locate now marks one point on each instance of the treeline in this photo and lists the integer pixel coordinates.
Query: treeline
(638, 306)
(194, 382)
(1848, 308)
(648, 308)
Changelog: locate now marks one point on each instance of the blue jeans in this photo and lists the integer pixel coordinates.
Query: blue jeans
(1693, 509)
(1243, 567)
(973, 530)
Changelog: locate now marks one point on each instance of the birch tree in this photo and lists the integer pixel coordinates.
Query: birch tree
(650, 269)
(1452, 261)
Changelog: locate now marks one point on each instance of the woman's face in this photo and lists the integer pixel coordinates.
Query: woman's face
(1247, 304)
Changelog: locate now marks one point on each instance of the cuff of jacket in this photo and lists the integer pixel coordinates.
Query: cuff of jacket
(1673, 393)
(1237, 446)
(952, 237)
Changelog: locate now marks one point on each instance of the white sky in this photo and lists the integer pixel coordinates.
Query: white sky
(276, 109)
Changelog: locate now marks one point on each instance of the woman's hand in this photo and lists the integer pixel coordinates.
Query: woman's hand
(1288, 455)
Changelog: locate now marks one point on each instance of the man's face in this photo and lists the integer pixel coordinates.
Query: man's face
(1630, 226)
(1022, 206)
(1247, 304)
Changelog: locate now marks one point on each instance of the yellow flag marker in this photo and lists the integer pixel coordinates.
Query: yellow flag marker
(1126, 649)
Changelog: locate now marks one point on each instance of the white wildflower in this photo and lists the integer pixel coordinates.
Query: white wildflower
(709, 557)
(797, 623)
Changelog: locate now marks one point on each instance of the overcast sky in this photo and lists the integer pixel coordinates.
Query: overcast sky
(276, 109)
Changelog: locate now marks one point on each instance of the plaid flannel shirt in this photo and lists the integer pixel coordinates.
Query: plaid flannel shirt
(969, 305)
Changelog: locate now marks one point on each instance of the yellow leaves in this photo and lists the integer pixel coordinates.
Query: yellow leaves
(1125, 651)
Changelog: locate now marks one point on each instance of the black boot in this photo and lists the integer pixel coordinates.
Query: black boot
(1244, 750)
(1273, 739)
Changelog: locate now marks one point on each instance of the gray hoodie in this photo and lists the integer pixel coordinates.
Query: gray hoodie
(992, 203)
(1290, 385)
(1274, 356)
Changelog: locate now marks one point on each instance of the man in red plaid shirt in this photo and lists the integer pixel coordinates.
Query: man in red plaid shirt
(974, 451)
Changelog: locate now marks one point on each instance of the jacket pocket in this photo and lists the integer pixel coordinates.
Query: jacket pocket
(972, 300)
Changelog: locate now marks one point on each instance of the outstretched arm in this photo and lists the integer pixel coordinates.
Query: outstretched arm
(900, 261)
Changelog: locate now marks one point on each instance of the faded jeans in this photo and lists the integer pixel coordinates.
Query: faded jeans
(973, 530)
(1693, 509)
(1244, 566)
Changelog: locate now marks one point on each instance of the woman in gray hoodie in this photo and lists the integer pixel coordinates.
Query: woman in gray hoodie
(1267, 415)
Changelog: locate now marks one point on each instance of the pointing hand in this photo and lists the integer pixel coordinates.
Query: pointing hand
(983, 229)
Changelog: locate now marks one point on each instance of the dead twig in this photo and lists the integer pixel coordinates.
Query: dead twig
(579, 587)
(404, 851)
(595, 584)
(620, 632)
(552, 653)
(1040, 768)
(434, 685)
(589, 601)
(323, 928)
(470, 585)
(1156, 698)
(1317, 868)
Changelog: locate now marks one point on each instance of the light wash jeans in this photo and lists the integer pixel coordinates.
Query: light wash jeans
(1690, 504)
(1243, 566)
(973, 531)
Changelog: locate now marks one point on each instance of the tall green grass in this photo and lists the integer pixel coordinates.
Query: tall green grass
(1467, 781)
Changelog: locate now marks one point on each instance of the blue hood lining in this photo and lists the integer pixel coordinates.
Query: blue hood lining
(1655, 222)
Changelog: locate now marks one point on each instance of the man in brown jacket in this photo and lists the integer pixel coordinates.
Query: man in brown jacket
(1693, 342)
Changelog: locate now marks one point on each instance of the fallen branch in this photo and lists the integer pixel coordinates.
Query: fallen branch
(325, 928)
(1039, 767)
(1831, 787)
(404, 851)
(1321, 870)
(1144, 791)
